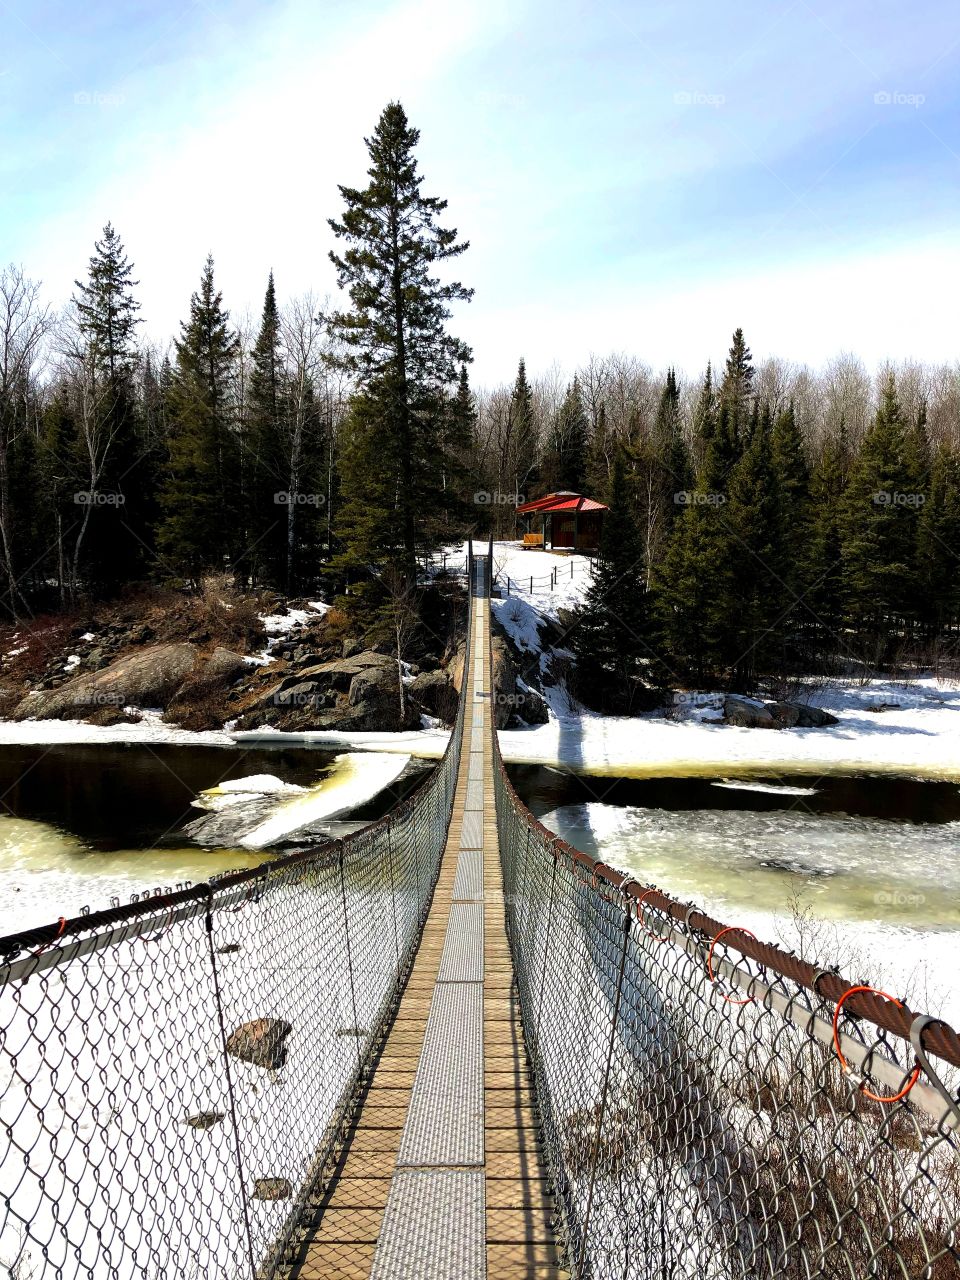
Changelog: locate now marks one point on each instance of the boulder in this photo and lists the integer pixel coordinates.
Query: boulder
(260, 1042)
(221, 668)
(785, 714)
(351, 648)
(532, 706)
(148, 678)
(505, 702)
(204, 1120)
(339, 673)
(813, 717)
(747, 713)
(435, 692)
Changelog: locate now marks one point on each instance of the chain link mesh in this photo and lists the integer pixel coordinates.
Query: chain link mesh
(175, 1074)
(701, 1126)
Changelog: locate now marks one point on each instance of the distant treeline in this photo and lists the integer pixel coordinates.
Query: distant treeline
(765, 520)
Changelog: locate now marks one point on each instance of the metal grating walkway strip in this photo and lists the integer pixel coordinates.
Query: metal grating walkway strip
(468, 882)
(433, 1228)
(462, 958)
(471, 832)
(445, 1118)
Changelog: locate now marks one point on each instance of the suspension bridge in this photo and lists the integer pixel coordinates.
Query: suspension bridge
(449, 1047)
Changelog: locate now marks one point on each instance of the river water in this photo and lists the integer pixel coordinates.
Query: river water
(863, 871)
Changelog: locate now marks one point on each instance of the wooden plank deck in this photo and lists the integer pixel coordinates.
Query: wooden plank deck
(519, 1240)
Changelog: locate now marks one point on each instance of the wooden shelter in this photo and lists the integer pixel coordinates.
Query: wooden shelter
(565, 521)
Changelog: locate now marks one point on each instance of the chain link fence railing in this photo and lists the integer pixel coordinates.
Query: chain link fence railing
(176, 1073)
(714, 1108)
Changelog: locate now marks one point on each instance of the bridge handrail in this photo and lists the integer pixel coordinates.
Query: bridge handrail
(151, 1130)
(712, 1105)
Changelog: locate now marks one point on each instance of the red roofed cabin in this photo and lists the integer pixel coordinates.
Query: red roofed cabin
(563, 521)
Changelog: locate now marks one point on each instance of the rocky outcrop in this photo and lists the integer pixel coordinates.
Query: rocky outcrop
(750, 713)
(358, 693)
(747, 713)
(435, 692)
(147, 678)
(260, 1042)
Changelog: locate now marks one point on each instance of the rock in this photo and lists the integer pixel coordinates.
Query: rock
(435, 692)
(813, 717)
(205, 1119)
(148, 678)
(747, 713)
(260, 1042)
(785, 714)
(351, 648)
(339, 673)
(504, 683)
(272, 1189)
(533, 707)
(221, 667)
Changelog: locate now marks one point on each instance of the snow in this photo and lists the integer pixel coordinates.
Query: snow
(72, 661)
(151, 728)
(236, 790)
(770, 788)
(351, 782)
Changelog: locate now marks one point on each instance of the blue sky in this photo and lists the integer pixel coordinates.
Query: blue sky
(632, 177)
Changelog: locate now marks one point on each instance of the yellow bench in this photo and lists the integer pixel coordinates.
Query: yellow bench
(532, 540)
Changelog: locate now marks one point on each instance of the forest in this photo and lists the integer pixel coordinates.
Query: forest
(767, 520)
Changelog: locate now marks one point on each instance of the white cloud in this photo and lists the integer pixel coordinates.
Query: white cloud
(893, 303)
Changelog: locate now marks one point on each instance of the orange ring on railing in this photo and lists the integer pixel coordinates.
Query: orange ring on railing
(59, 934)
(731, 928)
(657, 937)
(867, 1093)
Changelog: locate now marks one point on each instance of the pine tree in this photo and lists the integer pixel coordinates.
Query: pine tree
(754, 518)
(599, 450)
(736, 390)
(879, 526)
(114, 530)
(792, 472)
(564, 464)
(202, 514)
(395, 335)
(938, 545)
(520, 445)
(610, 639)
(822, 588)
(267, 486)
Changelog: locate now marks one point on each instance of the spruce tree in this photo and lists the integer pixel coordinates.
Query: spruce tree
(792, 473)
(879, 527)
(822, 570)
(938, 546)
(395, 336)
(610, 639)
(114, 531)
(201, 503)
(736, 389)
(267, 486)
(564, 464)
(754, 517)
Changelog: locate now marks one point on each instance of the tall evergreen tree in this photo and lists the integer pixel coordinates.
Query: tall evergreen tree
(879, 526)
(564, 465)
(267, 486)
(754, 518)
(822, 569)
(395, 335)
(792, 475)
(736, 389)
(610, 640)
(202, 513)
(114, 529)
(938, 546)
